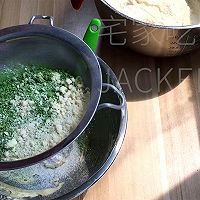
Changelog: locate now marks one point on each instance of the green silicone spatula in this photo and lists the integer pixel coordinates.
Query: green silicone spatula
(92, 34)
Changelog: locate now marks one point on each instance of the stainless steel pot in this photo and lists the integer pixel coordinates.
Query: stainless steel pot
(149, 39)
(78, 166)
(55, 47)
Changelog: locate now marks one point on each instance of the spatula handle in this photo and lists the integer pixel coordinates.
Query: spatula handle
(76, 4)
(92, 34)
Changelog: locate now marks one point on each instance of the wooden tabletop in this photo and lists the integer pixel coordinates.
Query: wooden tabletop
(160, 157)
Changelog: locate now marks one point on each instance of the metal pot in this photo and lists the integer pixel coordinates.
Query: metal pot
(78, 166)
(51, 46)
(153, 40)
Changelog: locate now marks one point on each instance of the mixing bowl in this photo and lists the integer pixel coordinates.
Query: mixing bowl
(149, 39)
(85, 160)
(32, 44)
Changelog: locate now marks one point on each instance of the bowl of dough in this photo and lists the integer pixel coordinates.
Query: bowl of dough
(153, 27)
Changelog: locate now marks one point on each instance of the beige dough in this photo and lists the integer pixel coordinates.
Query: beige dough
(160, 12)
(20, 193)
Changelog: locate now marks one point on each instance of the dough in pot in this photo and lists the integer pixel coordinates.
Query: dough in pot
(160, 12)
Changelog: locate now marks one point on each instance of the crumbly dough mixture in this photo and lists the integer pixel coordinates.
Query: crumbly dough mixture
(160, 12)
(39, 107)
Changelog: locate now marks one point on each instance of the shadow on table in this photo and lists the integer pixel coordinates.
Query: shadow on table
(144, 77)
(189, 189)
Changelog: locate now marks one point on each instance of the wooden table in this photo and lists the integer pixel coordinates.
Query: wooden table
(160, 158)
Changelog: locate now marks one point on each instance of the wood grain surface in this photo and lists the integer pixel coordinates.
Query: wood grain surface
(160, 157)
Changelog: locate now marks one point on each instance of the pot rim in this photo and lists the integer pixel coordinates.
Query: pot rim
(149, 24)
(89, 57)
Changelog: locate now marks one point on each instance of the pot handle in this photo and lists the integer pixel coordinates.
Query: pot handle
(110, 105)
(34, 17)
